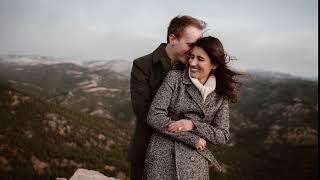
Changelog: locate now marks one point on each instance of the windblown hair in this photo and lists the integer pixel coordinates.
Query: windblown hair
(227, 83)
(179, 23)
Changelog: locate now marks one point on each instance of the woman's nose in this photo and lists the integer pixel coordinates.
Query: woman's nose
(192, 62)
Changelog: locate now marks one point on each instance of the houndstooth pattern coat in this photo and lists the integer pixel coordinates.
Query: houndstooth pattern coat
(173, 155)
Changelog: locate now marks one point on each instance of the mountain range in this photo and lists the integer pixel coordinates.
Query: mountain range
(274, 126)
(89, 88)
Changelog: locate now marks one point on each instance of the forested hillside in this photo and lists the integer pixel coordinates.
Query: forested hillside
(57, 117)
(40, 139)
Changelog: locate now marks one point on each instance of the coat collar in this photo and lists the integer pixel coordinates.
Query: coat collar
(192, 90)
(207, 88)
(195, 94)
(185, 78)
(160, 56)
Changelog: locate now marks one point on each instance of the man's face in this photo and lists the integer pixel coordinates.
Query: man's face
(183, 45)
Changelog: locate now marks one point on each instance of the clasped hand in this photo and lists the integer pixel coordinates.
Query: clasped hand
(185, 125)
(180, 125)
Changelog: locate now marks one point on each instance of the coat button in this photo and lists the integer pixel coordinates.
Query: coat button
(192, 158)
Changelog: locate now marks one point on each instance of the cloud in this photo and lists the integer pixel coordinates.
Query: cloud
(271, 35)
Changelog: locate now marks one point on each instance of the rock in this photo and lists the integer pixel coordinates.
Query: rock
(84, 174)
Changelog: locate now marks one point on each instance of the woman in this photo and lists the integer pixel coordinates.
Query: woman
(190, 109)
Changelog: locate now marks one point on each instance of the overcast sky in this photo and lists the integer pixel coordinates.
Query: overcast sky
(276, 35)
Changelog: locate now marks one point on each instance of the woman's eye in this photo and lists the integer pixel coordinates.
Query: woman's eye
(200, 59)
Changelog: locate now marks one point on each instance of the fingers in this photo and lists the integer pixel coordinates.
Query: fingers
(173, 126)
(201, 144)
(176, 126)
(200, 148)
(204, 142)
(180, 125)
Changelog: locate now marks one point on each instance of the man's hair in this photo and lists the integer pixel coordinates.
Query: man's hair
(179, 23)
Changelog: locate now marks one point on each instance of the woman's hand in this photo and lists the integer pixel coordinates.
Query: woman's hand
(180, 125)
(201, 144)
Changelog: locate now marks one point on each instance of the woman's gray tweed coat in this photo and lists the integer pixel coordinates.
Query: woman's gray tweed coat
(173, 155)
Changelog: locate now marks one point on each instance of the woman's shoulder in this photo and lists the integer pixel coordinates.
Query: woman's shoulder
(176, 72)
(174, 76)
(224, 101)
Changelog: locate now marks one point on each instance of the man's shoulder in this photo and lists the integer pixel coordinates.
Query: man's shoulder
(143, 60)
(150, 58)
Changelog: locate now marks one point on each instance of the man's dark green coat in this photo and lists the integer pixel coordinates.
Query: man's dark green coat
(147, 75)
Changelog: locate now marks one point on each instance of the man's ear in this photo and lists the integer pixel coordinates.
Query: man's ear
(172, 39)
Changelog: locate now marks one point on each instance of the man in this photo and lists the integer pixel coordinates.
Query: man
(147, 75)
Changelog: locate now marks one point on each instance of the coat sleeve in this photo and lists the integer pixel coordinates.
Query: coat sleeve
(158, 112)
(140, 91)
(217, 132)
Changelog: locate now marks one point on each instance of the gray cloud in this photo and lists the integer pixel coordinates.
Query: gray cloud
(271, 35)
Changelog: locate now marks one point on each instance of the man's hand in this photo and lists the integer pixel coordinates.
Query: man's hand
(180, 125)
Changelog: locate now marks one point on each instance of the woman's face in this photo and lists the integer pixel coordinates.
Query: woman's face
(200, 64)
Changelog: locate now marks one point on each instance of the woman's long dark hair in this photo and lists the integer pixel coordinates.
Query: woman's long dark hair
(227, 84)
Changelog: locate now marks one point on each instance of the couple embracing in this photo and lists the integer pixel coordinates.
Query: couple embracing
(180, 94)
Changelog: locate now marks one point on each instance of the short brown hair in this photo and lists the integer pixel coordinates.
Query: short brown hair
(179, 23)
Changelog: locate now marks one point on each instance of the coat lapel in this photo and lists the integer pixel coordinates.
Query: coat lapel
(195, 95)
(192, 90)
(211, 102)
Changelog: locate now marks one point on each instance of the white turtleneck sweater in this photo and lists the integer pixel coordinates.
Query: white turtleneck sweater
(207, 88)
